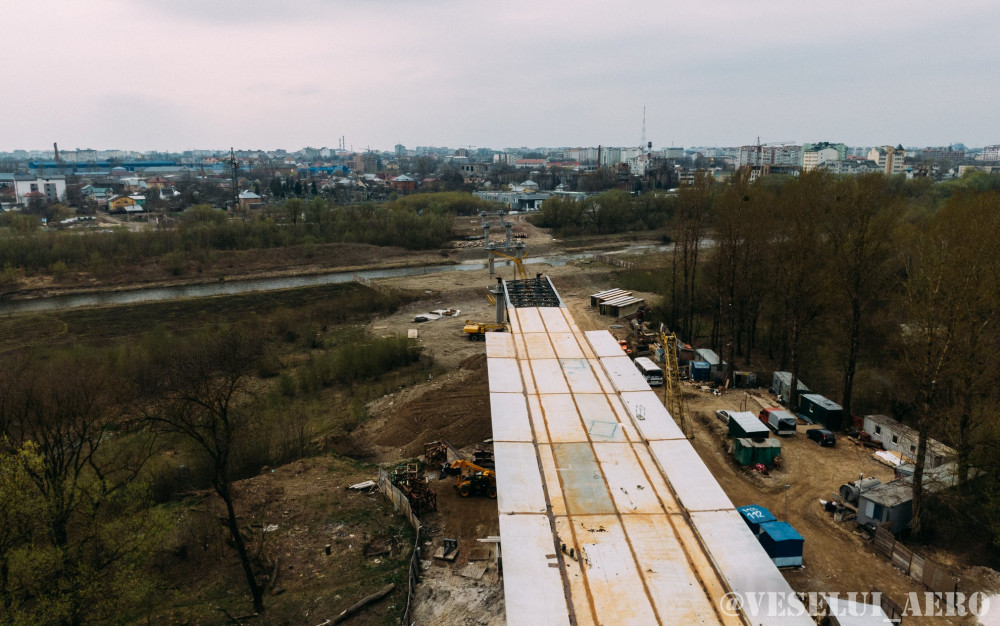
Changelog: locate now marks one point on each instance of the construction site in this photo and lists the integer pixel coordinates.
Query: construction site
(554, 481)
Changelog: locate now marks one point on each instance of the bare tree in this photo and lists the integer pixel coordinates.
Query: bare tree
(691, 219)
(204, 390)
(858, 230)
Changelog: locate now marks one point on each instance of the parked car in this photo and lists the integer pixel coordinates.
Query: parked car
(822, 436)
(722, 415)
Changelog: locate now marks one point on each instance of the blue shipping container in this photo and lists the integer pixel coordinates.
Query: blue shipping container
(782, 543)
(755, 515)
(700, 370)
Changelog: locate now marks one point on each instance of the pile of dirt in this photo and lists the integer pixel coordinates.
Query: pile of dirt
(454, 407)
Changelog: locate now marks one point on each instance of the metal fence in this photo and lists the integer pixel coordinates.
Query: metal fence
(923, 570)
(401, 504)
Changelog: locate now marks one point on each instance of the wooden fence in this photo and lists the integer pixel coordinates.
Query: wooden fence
(611, 260)
(401, 504)
(933, 576)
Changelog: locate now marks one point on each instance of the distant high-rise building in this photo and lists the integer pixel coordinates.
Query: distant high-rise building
(991, 153)
(889, 159)
(400, 150)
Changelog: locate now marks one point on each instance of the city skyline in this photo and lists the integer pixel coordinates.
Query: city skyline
(152, 76)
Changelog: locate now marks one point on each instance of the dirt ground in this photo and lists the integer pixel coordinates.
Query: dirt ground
(455, 407)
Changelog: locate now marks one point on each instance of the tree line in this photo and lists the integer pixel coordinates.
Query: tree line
(884, 293)
(417, 222)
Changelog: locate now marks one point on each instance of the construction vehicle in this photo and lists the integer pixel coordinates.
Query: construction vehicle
(476, 480)
(476, 331)
(519, 262)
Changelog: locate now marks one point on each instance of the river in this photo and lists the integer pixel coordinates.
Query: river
(204, 290)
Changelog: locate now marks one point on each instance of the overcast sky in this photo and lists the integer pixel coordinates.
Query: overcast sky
(205, 74)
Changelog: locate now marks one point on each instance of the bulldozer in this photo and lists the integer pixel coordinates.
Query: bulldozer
(477, 480)
(476, 331)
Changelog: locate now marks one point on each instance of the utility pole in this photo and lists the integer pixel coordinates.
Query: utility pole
(236, 187)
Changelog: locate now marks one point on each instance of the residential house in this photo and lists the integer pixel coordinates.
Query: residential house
(159, 182)
(100, 195)
(249, 200)
(123, 204)
(403, 183)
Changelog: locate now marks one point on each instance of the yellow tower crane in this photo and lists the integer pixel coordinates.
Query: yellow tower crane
(673, 395)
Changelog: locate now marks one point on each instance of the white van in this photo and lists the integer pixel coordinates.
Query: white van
(650, 371)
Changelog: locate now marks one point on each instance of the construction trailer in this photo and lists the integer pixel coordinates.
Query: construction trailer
(903, 439)
(781, 386)
(747, 451)
(782, 543)
(746, 424)
(890, 503)
(717, 365)
(755, 515)
(821, 410)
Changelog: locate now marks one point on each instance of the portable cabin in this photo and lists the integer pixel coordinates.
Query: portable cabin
(700, 370)
(889, 503)
(781, 386)
(717, 365)
(747, 451)
(820, 410)
(903, 439)
(755, 515)
(782, 543)
(746, 424)
(744, 380)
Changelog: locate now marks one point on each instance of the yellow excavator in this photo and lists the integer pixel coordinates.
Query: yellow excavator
(521, 273)
(476, 331)
(476, 480)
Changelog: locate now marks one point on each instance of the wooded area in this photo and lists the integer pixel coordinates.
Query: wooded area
(883, 293)
(100, 439)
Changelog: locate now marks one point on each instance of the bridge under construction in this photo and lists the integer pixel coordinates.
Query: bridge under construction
(607, 514)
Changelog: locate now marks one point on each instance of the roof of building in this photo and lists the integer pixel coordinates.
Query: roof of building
(892, 493)
(748, 422)
(780, 531)
(246, 194)
(822, 401)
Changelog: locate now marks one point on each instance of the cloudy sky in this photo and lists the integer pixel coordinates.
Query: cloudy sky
(201, 74)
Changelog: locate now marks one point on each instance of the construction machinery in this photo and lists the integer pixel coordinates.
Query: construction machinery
(472, 479)
(519, 262)
(673, 395)
(476, 331)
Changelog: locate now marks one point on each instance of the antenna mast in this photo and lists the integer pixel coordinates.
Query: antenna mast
(642, 144)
